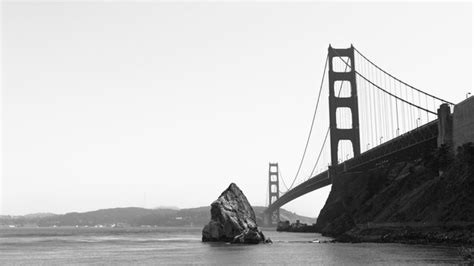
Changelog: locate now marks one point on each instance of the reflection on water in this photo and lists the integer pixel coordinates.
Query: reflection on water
(166, 245)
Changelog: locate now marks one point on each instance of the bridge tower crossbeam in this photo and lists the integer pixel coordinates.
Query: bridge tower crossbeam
(335, 102)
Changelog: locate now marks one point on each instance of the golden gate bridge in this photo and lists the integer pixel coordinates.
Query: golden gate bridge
(373, 116)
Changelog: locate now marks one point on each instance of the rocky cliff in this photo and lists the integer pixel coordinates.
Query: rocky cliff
(232, 219)
(405, 201)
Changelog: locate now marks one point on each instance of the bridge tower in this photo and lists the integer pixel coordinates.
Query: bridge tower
(273, 193)
(335, 102)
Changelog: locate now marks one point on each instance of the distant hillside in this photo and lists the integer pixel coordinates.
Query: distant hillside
(38, 215)
(134, 216)
(284, 216)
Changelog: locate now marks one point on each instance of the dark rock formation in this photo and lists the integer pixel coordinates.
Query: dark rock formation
(233, 220)
(285, 226)
(405, 201)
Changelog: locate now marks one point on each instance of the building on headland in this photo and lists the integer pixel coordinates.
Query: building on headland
(456, 128)
(463, 122)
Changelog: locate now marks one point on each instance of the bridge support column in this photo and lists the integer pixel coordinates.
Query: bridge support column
(273, 194)
(445, 136)
(445, 126)
(335, 102)
(332, 173)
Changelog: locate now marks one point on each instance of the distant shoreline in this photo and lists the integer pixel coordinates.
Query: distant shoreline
(131, 217)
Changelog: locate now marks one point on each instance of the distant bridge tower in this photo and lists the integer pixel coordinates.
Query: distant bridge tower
(335, 102)
(273, 194)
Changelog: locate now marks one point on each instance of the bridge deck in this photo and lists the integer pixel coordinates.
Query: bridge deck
(422, 138)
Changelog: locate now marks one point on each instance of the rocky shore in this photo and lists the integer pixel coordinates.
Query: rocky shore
(425, 200)
(456, 235)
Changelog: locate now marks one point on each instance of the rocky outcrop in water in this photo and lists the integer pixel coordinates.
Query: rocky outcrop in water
(285, 226)
(233, 220)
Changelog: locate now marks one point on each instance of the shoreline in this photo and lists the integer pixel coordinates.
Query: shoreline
(449, 233)
(431, 235)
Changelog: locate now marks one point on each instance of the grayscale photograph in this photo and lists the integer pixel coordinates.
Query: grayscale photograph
(137, 132)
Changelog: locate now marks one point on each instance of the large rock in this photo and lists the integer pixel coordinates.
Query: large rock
(233, 220)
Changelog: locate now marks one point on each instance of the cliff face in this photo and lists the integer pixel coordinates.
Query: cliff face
(404, 194)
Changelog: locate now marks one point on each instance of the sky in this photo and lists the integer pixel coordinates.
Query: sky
(117, 104)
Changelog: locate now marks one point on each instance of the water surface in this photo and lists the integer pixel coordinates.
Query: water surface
(178, 245)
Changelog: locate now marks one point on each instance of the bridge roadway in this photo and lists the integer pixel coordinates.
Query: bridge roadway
(412, 143)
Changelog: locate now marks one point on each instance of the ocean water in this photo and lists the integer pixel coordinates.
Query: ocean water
(168, 245)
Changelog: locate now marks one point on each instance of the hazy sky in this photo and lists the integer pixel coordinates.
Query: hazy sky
(164, 104)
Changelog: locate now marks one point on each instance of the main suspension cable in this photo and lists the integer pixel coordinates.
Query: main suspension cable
(312, 123)
(382, 89)
(320, 152)
(404, 83)
(282, 179)
(327, 133)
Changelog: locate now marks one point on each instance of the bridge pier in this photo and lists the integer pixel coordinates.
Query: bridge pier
(445, 126)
